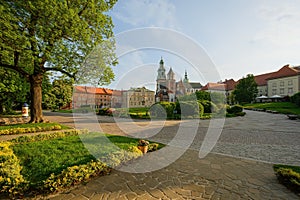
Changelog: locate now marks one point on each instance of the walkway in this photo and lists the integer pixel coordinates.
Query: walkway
(220, 175)
(229, 172)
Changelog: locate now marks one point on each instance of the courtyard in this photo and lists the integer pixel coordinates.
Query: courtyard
(239, 166)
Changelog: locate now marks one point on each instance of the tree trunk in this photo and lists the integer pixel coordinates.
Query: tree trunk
(36, 114)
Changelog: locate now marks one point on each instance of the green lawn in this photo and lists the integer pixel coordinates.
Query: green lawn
(281, 107)
(42, 158)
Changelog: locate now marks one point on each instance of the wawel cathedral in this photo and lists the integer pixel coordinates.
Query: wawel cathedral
(167, 89)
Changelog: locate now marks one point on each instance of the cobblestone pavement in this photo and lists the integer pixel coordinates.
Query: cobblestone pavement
(239, 166)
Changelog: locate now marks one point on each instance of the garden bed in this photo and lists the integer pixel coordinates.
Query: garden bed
(52, 162)
(30, 128)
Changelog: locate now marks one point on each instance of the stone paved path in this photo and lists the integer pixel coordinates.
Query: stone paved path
(215, 177)
(262, 136)
(226, 173)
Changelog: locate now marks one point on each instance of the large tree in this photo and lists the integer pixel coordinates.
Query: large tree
(56, 35)
(60, 94)
(14, 90)
(246, 90)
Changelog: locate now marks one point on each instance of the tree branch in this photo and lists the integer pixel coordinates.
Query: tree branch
(60, 70)
(16, 69)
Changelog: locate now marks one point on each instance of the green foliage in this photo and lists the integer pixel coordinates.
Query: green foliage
(70, 37)
(74, 175)
(246, 90)
(30, 128)
(288, 176)
(190, 108)
(203, 95)
(235, 109)
(11, 179)
(199, 95)
(296, 99)
(13, 91)
(209, 107)
(59, 95)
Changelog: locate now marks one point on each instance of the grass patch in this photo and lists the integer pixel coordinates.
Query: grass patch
(281, 107)
(40, 159)
(44, 158)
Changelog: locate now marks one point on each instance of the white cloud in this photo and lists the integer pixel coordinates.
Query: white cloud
(147, 13)
(281, 24)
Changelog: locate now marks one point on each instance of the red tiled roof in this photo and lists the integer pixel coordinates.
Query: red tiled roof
(262, 79)
(214, 86)
(230, 84)
(285, 71)
(93, 90)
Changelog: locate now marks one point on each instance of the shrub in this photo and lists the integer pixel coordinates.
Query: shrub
(158, 111)
(289, 178)
(20, 130)
(190, 109)
(209, 106)
(74, 175)
(235, 109)
(296, 99)
(49, 136)
(11, 180)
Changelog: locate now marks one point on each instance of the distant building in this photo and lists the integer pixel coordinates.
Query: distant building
(284, 82)
(138, 97)
(167, 89)
(95, 97)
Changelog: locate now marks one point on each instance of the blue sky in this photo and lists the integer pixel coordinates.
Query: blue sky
(239, 36)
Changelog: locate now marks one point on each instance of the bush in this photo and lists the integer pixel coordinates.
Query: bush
(296, 99)
(74, 175)
(49, 136)
(235, 109)
(11, 179)
(29, 130)
(209, 107)
(190, 109)
(289, 178)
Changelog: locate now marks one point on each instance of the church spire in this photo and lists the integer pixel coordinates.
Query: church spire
(186, 80)
(161, 61)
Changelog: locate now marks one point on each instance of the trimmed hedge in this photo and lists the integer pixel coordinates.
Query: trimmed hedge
(11, 179)
(74, 175)
(289, 178)
(235, 109)
(19, 130)
(296, 99)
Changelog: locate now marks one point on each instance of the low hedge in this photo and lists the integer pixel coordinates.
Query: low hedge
(41, 137)
(289, 178)
(11, 179)
(74, 175)
(19, 130)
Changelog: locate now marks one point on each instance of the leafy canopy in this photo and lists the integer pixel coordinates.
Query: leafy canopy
(56, 35)
(246, 90)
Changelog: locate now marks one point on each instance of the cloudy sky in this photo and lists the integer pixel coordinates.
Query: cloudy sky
(238, 36)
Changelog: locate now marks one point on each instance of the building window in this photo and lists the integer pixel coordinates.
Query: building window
(274, 85)
(274, 91)
(281, 90)
(290, 82)
(290, 90)
(281, 83)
